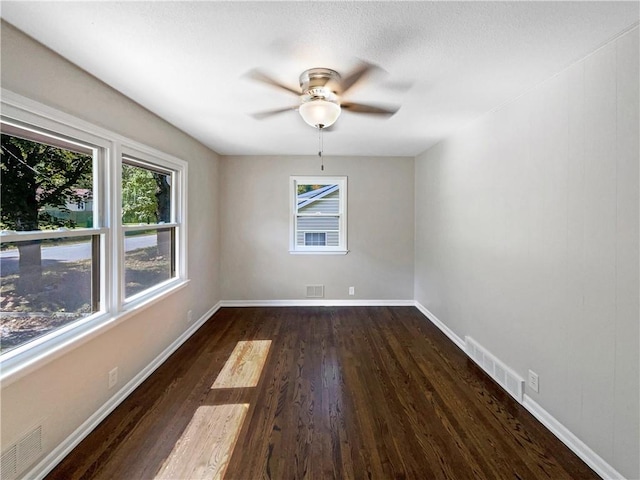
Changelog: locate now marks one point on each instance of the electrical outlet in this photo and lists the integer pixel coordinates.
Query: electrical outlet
(189, 316)
(533, 381)
(113, 377)
(352, 290)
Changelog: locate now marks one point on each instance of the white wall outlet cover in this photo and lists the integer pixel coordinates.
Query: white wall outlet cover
(533, 381)
(113, 377)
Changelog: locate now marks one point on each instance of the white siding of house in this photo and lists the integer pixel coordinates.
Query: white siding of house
(329, 205)
(326, 205)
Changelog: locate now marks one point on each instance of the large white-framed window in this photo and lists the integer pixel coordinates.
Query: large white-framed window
(318, 215)
(66, 247)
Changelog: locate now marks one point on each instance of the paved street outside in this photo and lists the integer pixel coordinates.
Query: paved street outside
(67, 253)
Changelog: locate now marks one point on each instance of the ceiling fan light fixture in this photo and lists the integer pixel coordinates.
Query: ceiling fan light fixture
(319, 113)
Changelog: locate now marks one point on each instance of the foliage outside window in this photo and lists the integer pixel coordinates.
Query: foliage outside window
(318, 215)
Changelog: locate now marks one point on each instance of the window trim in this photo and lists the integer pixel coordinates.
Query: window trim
(26, 113)
(341, 248)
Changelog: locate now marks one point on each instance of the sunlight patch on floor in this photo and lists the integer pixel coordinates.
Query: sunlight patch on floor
(204, 449)
(244, 366)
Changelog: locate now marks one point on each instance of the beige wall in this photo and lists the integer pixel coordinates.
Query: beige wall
(527, 240)
(65, 392)
(256, 264)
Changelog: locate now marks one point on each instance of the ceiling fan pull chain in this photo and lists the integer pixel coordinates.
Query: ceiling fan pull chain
(320, 148)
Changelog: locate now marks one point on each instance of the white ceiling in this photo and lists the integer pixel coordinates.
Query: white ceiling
(445, 63)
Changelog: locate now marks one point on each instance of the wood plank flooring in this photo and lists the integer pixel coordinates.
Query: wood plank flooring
(320, 392)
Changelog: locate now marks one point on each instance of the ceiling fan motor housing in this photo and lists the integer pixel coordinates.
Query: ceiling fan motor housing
(319, 82)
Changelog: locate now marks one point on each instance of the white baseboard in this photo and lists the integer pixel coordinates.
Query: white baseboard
(591, 458)
(317, 302)
(446, 330)
(577, 446)
(57, 454)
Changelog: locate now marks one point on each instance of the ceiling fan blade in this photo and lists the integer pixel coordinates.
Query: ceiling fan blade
(264, 78)
(355, 76)
(270, 113)
(362, 108)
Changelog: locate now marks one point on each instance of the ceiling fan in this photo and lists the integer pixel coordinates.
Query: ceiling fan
(321, 95)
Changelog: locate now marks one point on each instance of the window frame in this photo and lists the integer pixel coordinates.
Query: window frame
(38, 118)
(341, 248)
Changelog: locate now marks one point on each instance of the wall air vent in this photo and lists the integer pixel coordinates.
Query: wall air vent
(19, 456)
(315, 291)
(503, 375)
(9, 463)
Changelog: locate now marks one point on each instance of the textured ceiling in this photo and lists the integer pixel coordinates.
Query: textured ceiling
(445, 63)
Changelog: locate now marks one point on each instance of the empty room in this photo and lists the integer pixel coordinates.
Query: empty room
(320, 240)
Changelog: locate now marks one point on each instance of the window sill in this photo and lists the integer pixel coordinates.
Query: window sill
(318, 252)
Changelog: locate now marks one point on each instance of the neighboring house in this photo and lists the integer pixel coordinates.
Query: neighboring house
(78, 208)
(82, 202)
(318, 220)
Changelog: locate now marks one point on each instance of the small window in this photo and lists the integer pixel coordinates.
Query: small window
(319, 217)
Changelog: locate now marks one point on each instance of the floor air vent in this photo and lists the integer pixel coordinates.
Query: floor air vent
(497, 370)
(315, 291)
(18, 457)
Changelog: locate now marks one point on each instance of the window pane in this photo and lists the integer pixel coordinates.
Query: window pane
(317, 227)
(318, 199)
(146, 195)
(44, 285)
(148, 259)
(44, 186)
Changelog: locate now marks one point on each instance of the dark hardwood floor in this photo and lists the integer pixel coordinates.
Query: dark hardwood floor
(362, 392)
